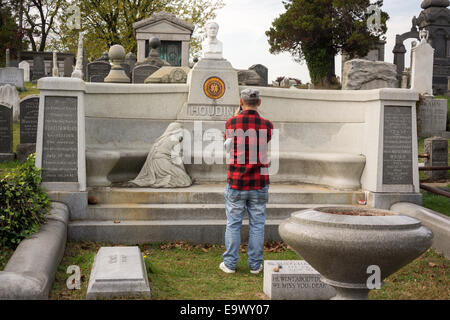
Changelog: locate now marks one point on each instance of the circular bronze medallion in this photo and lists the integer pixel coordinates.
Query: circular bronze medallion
(214, 88)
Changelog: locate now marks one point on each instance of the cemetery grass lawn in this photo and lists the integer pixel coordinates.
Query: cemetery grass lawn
(183, 271)
(30, 89)
(432, 201)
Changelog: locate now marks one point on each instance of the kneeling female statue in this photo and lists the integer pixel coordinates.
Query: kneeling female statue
(164, 166)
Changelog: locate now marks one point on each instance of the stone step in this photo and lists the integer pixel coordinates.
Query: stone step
(214, 194)
(151, 212)
(140, 232)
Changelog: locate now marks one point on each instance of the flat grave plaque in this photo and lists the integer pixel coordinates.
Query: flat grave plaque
(294, 280)
(118, 272)
(397, 150)
(60, 140)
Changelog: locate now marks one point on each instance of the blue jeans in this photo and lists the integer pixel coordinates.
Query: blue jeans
(237, 202)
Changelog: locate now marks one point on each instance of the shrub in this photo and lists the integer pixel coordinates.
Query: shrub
(23, 204)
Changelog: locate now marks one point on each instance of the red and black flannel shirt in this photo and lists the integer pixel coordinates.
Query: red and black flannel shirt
(253, 132)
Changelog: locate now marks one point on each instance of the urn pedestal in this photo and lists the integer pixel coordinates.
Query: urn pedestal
(343, 244)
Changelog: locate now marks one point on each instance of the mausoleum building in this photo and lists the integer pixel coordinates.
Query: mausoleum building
(175, 35)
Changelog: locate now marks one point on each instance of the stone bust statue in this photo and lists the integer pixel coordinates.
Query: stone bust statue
(212, 47)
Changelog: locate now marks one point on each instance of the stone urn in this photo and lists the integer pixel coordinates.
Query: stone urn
(343, 244)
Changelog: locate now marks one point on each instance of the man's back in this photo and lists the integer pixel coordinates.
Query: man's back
(251, 134)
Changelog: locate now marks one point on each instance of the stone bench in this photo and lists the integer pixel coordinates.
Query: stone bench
(337, 170)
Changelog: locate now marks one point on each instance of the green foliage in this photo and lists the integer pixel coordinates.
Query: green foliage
(315, 31)
(23, 204)
(109, 22)
(8, 33)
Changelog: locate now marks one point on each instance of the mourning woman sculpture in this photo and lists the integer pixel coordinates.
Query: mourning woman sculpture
(164, 166)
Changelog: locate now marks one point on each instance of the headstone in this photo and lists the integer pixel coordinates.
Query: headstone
(294, 280)
(38, 67)
(432, 117)
(6, 133)
(285, 83)
(12, 76)
(9, 96)
(68, 66)
(359, 74)
(169, 75)
(142, 72)
(118, 272)
(397, 146)
(8, 59)
(126, 68)
(437, 148)
(130, 60)
(263, 73)
(60, 139)
(97, 71)
(422, 66)
(25, 66)
(250, 78)
(29, 112)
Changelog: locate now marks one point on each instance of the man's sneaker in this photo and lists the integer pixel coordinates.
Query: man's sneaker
(257, 271)
(224, 268)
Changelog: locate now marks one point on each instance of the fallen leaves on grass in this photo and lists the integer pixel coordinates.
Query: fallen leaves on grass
(276, 247)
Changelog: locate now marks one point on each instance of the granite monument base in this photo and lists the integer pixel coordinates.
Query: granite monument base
(213, 91)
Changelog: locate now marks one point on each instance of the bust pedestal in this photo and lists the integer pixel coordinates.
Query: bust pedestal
(213, 91)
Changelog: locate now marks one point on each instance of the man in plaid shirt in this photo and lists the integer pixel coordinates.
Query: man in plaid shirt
(247, 135)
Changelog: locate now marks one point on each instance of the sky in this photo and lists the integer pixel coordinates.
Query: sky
(243, 24)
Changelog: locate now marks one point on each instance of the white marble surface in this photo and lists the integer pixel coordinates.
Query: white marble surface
(118, 272)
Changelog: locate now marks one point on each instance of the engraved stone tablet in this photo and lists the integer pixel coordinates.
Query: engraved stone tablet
(12, 76)
(6, 133)
(29, 111)
(38, 67)
(118, 272)
(98, 71)
(397, 152)
(60, 140)
(294, 280)
(142, 72)
(432, 117)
